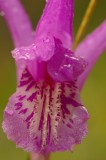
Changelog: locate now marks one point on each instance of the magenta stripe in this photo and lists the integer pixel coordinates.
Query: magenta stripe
(23, 111)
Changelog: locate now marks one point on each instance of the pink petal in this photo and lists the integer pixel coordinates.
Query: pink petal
(57, 19)
(64, 65)
(25, 57)
(39, 112)
(19, 25)
(47, 31)
(18, 22)
(42, 49)
(91, 48)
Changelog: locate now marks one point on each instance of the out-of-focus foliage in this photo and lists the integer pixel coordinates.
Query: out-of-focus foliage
(93, 94)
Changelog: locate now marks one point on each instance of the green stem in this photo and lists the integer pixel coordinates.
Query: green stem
(84, 22)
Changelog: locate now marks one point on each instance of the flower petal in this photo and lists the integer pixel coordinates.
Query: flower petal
(91, 48)
(57, 20)
(26, 57)
(42, 49)
(64, 65)
(18, 22)
(48, 29)
(39, 112)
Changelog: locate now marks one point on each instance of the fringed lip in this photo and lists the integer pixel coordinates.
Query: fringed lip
(45, 118)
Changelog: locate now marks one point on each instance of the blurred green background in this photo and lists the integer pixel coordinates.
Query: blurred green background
(93, 146)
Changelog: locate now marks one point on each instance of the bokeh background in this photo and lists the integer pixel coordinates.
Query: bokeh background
(93, 146)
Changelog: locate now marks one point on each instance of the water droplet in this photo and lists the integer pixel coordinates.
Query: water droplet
(56, 74)
(67, 66)
(67, 56)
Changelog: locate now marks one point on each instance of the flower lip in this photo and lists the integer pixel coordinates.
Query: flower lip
(37, 114)
(39, 111)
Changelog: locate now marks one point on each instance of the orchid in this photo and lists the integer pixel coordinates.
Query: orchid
(46, 114)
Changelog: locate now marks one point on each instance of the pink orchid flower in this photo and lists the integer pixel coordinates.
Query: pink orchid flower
(45, 114)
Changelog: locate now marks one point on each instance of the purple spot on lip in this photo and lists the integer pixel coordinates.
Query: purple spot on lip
(42, 116)
(29, 117)
(30, 85)
(24, 75)
(71, 101)
(65, 111)
(21, 97)
(72, 95)
(74, 103)
(28, 124)
(18, 105)
(69, 125)
(32, 97)
(72, 85)
(23, 111)
(25, 82)
(49, 129)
